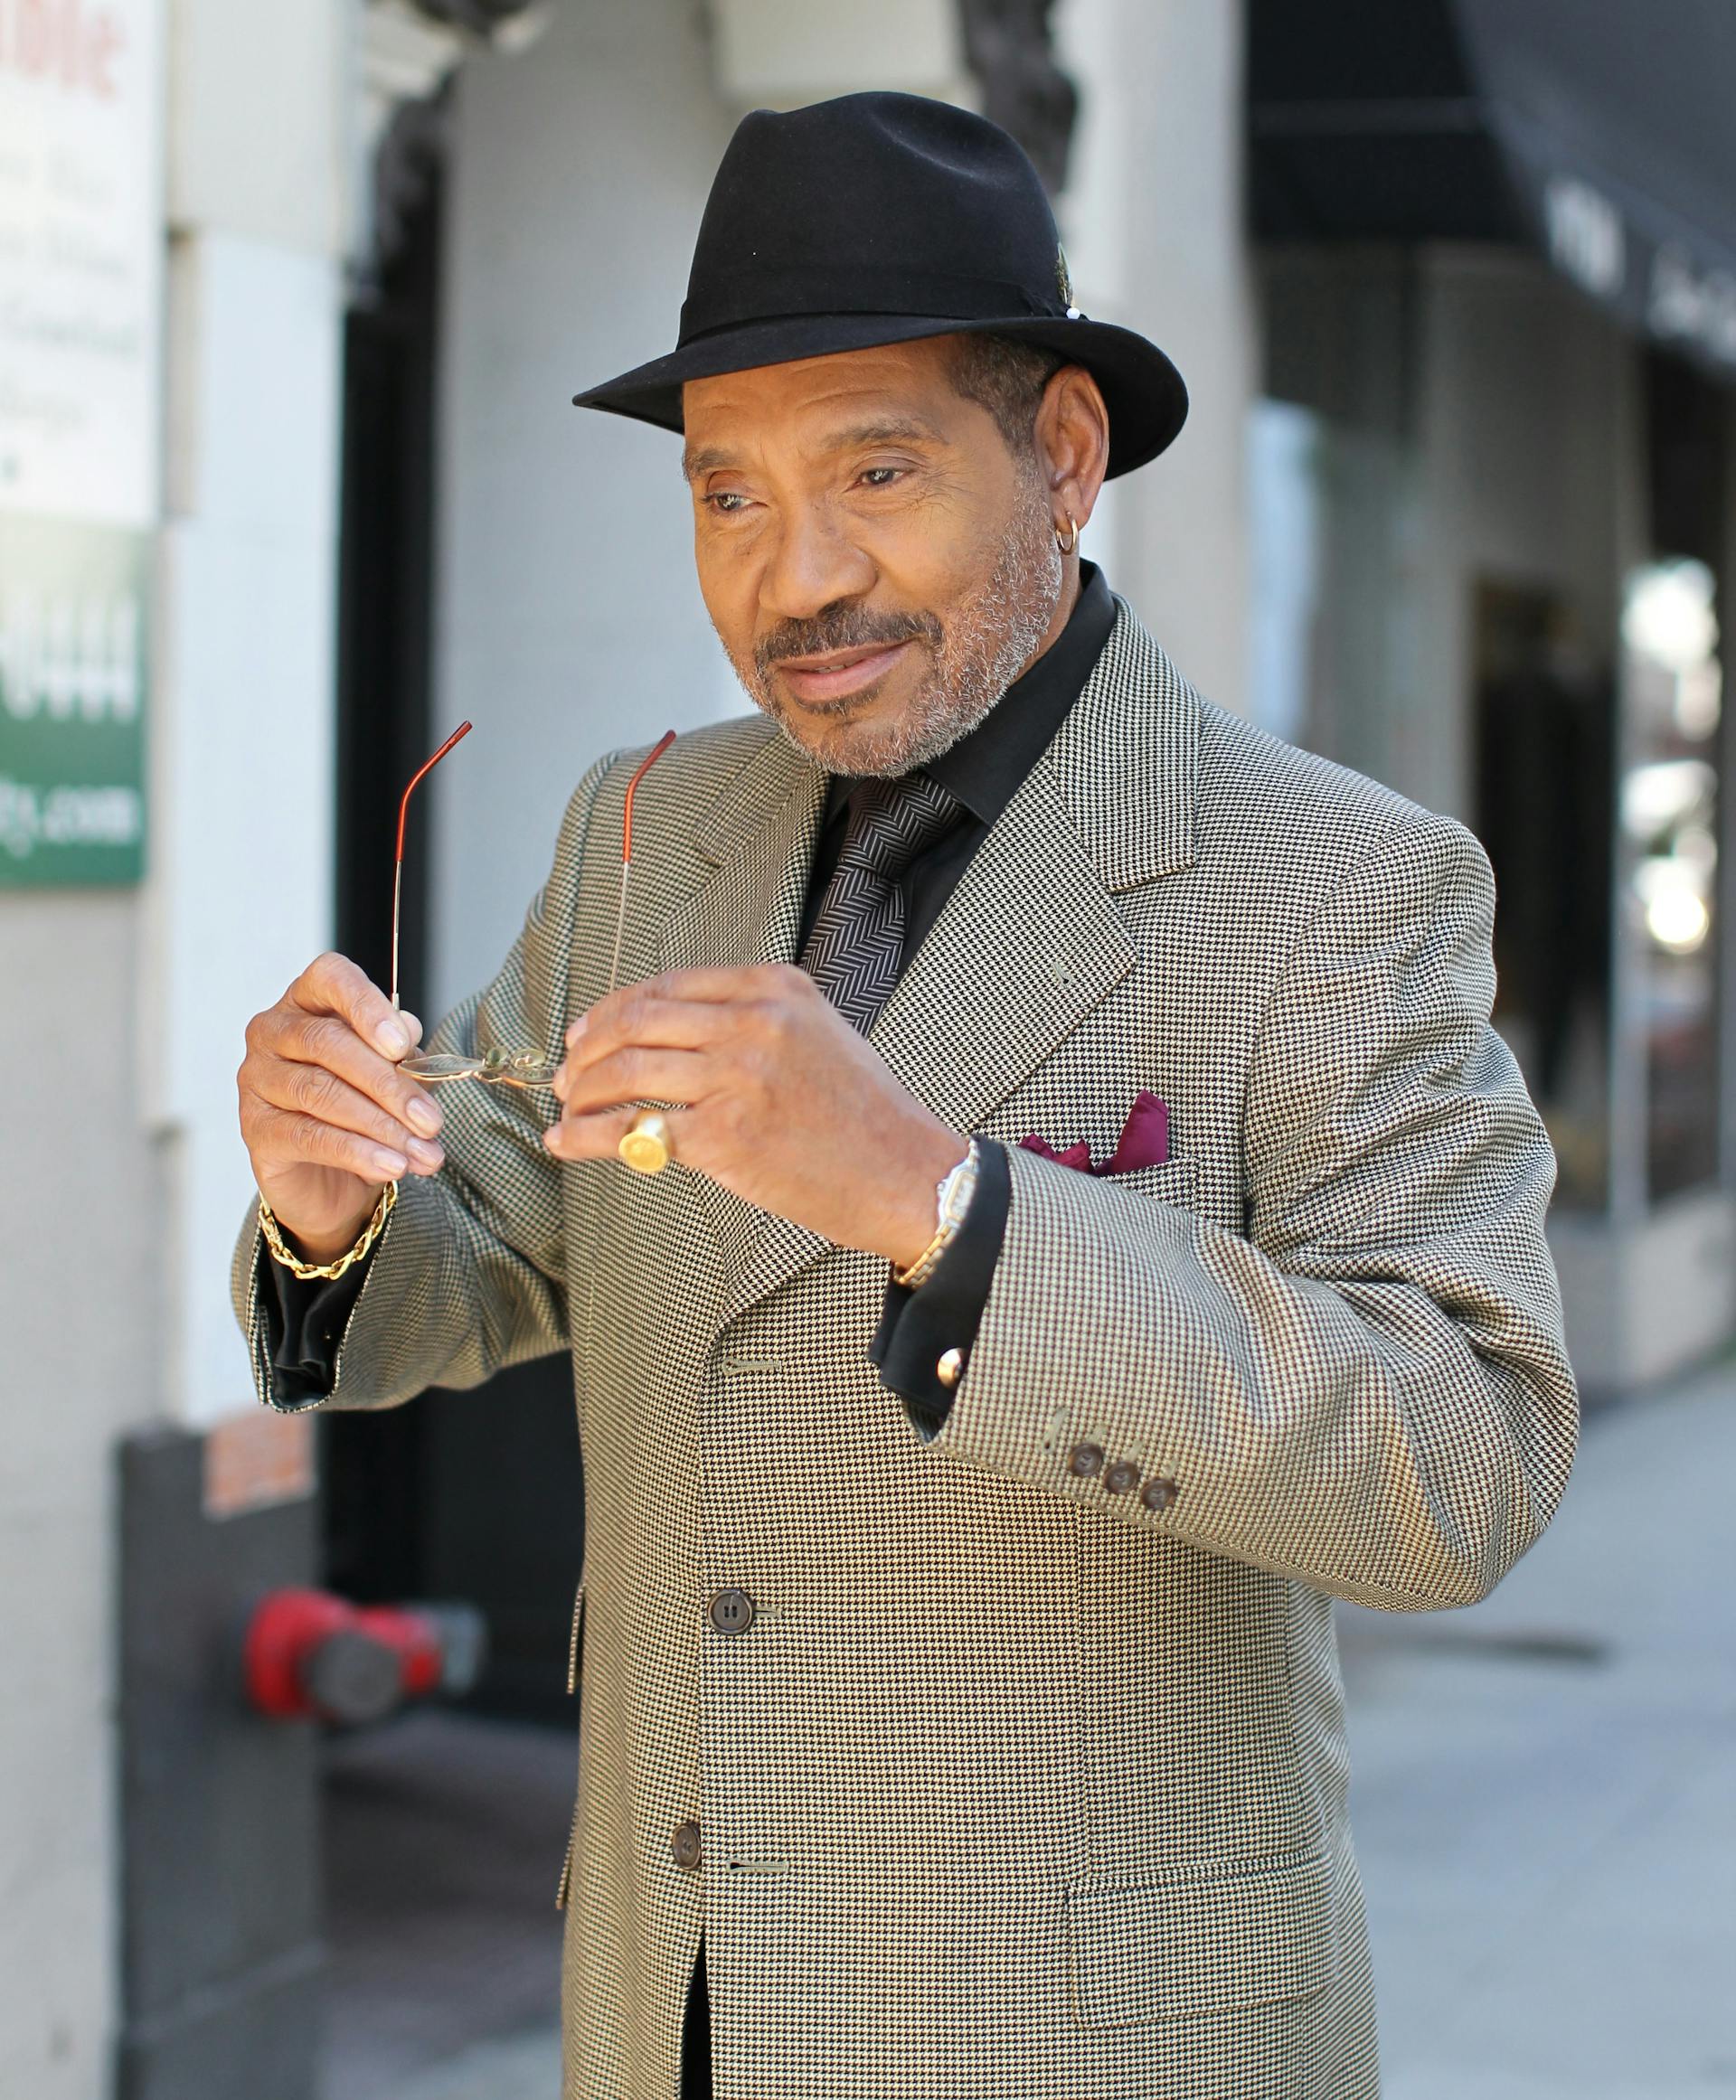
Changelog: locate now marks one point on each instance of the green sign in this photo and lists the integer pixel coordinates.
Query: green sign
(73, 601)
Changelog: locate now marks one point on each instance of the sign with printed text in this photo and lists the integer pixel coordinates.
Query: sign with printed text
(81, 258)
(72, 657)
(82, 245)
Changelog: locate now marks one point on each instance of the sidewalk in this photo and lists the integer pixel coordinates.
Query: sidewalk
(1544, 1800)
(1544, 1789)
(443, 1835)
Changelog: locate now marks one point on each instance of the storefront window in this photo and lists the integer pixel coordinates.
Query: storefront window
(1672, 697)
(1544, 731)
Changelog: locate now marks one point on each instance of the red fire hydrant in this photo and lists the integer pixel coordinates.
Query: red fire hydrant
(309, 1655)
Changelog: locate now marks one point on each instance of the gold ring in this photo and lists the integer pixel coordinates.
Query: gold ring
(646, 1147)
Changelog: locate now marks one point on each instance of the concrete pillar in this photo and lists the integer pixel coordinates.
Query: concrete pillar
(568, 620)
(241, 811)
(1154, 224)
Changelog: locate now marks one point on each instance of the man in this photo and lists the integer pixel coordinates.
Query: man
(1102, 1226)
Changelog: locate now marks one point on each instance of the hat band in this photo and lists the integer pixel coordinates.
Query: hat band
(763, 294)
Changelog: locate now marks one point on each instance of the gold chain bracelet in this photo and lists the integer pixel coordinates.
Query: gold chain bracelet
(326, 1271)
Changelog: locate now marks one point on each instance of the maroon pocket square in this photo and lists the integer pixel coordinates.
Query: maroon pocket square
(1144, 1142)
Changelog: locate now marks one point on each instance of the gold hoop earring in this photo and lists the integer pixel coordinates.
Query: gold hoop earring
(1072, 541)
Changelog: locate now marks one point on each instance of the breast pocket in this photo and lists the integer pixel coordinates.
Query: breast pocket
(1173, 1947)
(1172, 1182)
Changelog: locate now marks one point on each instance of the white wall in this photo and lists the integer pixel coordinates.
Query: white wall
(569, 621)
(241, 739)
(123, 1177)
(82, 1199)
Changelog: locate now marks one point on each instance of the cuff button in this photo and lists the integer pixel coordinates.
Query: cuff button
(1085, 1460)
(951, 1368)
(1158, 1495)
(1122, 1476)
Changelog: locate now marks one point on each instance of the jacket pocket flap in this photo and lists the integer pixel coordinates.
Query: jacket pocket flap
(1174, 1947)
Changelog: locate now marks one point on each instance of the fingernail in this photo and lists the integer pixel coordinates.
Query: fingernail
(422, 1114)
(412, 1023)
(430, 1157)
(552, 1138)
(576, 1029)
(390, 1164)
(392, 1037)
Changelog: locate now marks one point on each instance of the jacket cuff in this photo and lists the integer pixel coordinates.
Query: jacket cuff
(302, 1325)
(917, 1327)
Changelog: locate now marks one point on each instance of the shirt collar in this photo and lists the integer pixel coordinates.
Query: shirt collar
(986, 770)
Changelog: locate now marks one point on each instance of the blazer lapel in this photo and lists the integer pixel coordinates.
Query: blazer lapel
(1031, 939)
(760, 836)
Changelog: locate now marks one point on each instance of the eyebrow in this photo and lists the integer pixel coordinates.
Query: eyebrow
(884, 430)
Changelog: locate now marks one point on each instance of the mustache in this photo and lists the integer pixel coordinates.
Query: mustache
(843, 626)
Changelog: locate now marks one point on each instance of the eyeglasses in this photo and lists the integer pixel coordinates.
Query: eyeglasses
(498, 1068)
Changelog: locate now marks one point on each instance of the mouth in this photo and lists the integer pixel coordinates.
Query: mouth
(838, 674)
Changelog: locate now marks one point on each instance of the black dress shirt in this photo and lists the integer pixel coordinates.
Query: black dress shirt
(305, 1321)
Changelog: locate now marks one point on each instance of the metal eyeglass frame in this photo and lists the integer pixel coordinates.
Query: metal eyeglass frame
(498, 1068)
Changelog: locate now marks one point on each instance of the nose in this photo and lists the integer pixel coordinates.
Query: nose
(812, 565)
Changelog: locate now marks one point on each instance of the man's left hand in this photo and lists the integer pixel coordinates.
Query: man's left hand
(778, 1099)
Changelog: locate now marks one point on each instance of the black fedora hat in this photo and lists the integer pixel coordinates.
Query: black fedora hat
(881, 219)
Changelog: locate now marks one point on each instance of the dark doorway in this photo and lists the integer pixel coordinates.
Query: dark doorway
(478, 1496)
(1546, 721)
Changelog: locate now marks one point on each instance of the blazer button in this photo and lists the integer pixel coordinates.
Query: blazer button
(1122, 1476)
(731, 1611)
(1086, 1460)
(1158, 1495)
(686, 1845)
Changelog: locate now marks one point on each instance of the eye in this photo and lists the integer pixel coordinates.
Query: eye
(727, 503)
(882, 476)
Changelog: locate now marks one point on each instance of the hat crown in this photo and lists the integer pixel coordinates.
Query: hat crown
(872, 204)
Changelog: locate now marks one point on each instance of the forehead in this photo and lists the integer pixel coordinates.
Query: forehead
(810, 393)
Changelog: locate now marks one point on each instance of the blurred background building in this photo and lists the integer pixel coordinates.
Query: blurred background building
(292, 301)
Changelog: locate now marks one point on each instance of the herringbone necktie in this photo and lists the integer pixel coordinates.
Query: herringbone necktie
(854, 951)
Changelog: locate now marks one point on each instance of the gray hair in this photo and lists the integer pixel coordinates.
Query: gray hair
(1007, 378)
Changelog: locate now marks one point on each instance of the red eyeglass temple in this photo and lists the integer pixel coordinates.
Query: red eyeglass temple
(645, 763)
(645, 766)
(463, 730)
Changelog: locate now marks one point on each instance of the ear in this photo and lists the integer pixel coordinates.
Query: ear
(1072, 443)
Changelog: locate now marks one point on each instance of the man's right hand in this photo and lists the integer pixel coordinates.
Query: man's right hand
(328, 1117)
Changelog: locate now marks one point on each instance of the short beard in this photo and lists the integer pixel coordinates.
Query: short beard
(973, 657)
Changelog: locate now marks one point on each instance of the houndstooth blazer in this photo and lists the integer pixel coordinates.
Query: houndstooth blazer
(1019, 1785)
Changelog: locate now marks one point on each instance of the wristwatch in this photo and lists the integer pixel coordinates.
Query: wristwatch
(952, 1202)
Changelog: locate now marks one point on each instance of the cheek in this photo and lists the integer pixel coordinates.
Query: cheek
(939, 553)
(727, 586)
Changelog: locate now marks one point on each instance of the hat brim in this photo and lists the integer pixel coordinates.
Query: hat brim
(1142, 390)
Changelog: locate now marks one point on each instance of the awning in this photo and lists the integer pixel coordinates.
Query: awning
(1602, 131)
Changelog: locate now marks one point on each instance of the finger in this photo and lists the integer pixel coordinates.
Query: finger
(643, 1014)
(636, 1074)
(300, 1141)
(598, 1136)
(331, 984)
(711, 988)
(325, 1041)
(313, 1092)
